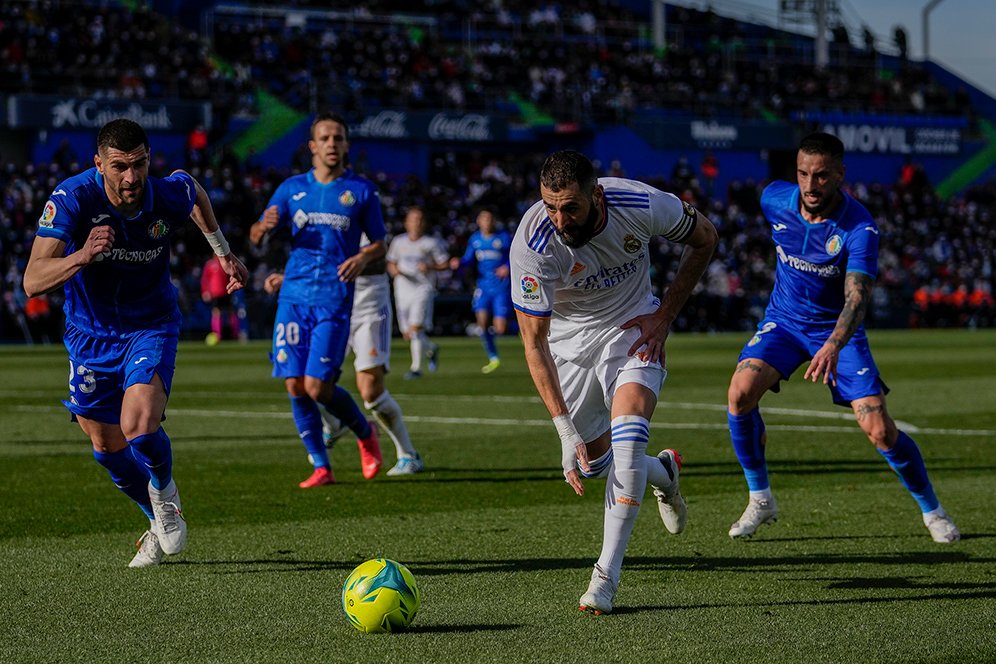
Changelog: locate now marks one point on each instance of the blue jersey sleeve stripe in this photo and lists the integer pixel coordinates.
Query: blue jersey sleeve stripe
(541, 237)
(627, 194)
(532, 312)
(865, 272)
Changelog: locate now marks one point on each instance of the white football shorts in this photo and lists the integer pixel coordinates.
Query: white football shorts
(588, 390)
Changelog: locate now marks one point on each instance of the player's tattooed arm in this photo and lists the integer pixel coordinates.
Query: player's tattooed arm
(857, 296)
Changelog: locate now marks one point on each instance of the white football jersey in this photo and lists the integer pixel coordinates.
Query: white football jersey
(589, 292)
(408, 254)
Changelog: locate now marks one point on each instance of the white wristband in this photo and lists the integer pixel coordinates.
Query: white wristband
(218, 242)
(569, 440)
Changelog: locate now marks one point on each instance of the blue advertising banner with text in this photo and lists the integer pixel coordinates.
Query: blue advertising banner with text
(57, 112)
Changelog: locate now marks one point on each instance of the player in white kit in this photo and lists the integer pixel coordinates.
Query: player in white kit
(412, 261)
(594, 336)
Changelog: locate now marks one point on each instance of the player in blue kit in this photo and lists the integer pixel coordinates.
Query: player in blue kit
(105, 236)
(827, 248)
(492, 304)
(326, 210)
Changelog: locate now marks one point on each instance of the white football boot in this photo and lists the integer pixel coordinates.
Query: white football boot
(407, 466)
(942, 529)
(601, 591)
(171, 528)
(758, 512)
(670, 504)
(149, 553)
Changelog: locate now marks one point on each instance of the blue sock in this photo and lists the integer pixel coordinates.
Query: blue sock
(128, 475)
(309, 427)
(342, 406)
(488, 339)
(905, 459)
(154, 450)
(746, 432)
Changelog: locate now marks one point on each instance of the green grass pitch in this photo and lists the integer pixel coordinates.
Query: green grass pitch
(500, 546)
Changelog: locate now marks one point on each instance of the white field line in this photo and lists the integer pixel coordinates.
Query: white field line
(485, 421)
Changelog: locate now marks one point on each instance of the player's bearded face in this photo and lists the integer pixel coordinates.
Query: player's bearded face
(125, 174)
(820, 178)
(574, 213)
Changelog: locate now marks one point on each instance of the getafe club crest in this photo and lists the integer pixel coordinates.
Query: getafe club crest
(834, 245)
(631, 244)
(158, 229)
(346, 198)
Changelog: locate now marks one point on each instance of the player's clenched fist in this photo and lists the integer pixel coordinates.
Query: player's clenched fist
(99, 242)
(270, 217)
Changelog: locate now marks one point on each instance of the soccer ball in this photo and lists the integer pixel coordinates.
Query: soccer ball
(380, 595)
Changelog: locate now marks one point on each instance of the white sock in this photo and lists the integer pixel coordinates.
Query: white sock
(328, 419)
(624, 489)
(763, 494)
(387, 412)
(418, 347)
(656, 474)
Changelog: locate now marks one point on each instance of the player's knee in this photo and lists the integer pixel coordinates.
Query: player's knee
(880, 434)
(739, 399)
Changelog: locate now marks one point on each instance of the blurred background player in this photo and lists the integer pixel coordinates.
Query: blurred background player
(370, 341)
(492, 304)
(412, 261)
(214, 292)
(827, 246)
(105, 235)
(326, 210)
(595, 345)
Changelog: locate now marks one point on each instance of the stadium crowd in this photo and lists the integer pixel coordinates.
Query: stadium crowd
(936, 257)
(460, 56)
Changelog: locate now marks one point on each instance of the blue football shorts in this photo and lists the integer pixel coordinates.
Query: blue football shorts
(101, 369)
(310, 341)
(495, 299)
(787, 345)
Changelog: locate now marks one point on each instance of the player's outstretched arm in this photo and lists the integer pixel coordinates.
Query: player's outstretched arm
(857, 296)
(655, 327)
(48, 268)
(544, 373)
(203, 215)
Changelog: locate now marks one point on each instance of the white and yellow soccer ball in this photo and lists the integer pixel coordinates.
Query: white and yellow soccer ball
(380, 595)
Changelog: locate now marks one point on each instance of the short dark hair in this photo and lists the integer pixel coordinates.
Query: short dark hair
(326, 116)
(820, 142)
(565, 168)
(122, 134)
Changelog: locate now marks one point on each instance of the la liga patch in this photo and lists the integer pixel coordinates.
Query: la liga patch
(48, 215)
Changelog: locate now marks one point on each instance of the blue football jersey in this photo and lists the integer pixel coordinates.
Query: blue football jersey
(490, 253)
(812, 259)
(129, 288)
(326, 222)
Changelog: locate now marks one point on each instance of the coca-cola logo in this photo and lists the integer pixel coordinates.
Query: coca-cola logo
(469, 127)
(386, 124)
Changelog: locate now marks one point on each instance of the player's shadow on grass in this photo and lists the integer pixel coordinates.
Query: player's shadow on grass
(677, 564)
